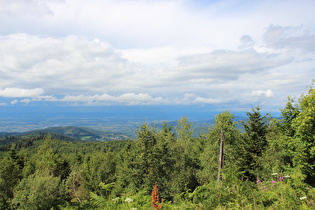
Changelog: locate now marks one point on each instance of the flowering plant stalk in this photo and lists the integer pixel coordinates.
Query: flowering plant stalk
(155, 198)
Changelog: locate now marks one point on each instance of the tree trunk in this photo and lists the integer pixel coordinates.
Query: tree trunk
(221, 156)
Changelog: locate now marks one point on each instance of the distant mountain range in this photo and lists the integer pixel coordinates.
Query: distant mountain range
(87, 134)
(70, 133)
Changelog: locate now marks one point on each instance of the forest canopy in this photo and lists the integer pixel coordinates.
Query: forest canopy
(269, 164)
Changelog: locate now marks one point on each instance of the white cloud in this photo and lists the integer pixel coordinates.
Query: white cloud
(137, 99)
(127, 99)
(66, 63)
(19, 92)
(145, 24)
(22, 9)
(14, 101)
(208, 100)
(246, 42)
(155, 52)
(228, 64)
(82, 70)
(262, 93)
(26, 100)
(293, 38)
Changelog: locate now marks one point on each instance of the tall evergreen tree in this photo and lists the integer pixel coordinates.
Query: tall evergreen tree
(10, 173)
(253, 142)
(153, 162)
(185, 168)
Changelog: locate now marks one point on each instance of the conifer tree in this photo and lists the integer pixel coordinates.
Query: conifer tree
(253, 142)
(10, 173)
(184, 176)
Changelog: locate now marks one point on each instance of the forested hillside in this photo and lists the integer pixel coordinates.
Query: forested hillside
(69, 133)
(269, 164)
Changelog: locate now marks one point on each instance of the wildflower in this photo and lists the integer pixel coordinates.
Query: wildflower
(273, 181)
(274, 174)
(281, 179)
(303, 198)
(258, 181)
(265, 188)
(128, 200)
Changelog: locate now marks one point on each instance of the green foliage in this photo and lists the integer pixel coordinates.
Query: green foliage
(184, 131)
(10, 174)
(256, 129)
(299, 130)
(77, 185)
(39, 191)
(304, 125)
(253, 143)
(139, 200)
(276, 157)
(147, 156)
(270, 165)
(99, 168)
(85, 133)
(184, 150)
(210, 156)
(288, 114)
(154, 162)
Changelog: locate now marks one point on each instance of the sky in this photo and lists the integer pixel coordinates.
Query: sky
(227, 55)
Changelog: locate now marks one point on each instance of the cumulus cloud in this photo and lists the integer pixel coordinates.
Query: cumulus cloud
(138, 99)
(246, 42)
(73, 65)
(227, 65)
(155, 52)
(20, 8)
(294, 38)
(127, 99)
(26, 100)
(66, 63)
(82, 70)
(262, 93)
(274, 33)
(203, 100)
(143, 24)
(19, 92)
(14, 101)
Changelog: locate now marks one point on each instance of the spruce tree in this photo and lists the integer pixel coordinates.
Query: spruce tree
(253, 143)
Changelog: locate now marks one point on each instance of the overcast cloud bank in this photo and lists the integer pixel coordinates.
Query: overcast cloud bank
(223, 53)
